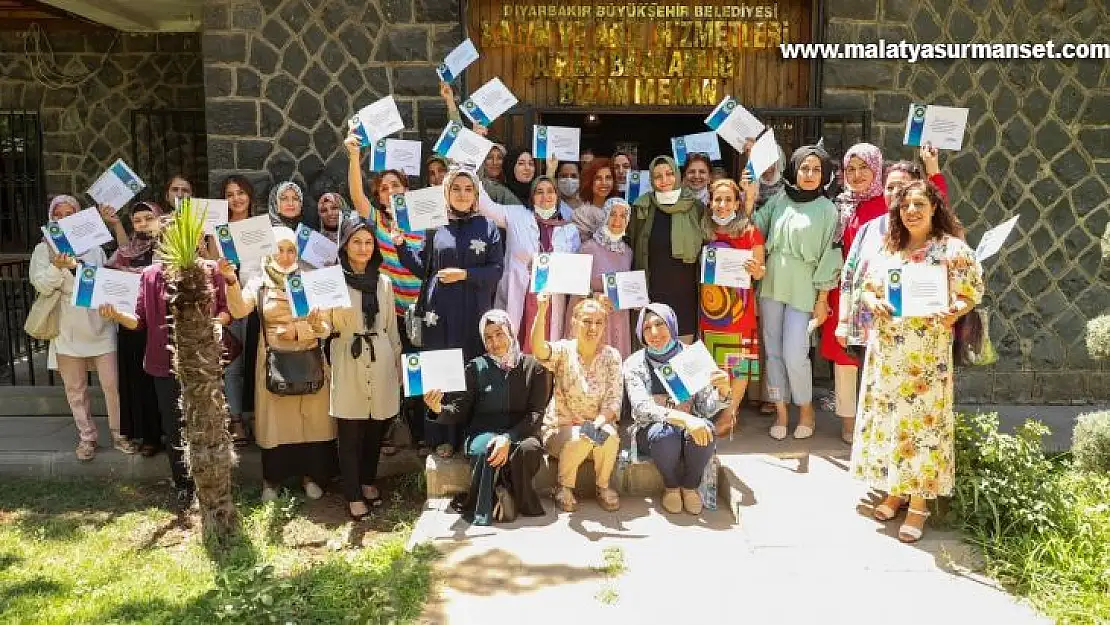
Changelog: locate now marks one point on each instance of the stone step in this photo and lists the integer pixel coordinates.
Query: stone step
(44, 401)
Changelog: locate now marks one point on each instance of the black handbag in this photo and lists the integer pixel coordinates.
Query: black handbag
(291, 373)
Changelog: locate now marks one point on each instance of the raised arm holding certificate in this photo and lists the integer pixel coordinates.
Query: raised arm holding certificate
(320, 289)
(436, 370)
(378, 121)
(117, 186)
(399, 154)
(688, 372)
(763, 155)
(559, 272)
(489, 102)
(724, 266)
(700, 143)
(941, 126)
(626, 289)
(734, 123)
(457, 61)
(420, 210)
(96, 286)
(556, 141)
(917, 290)
(462, 145)
(78, 233)
(315, 248)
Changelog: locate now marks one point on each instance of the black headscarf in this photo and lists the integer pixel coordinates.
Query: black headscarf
(365, 282)
(790, 176)
(520, 189)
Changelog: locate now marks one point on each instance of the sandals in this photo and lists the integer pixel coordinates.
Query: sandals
(124, 444)
(446, 450)
(608, 499)
(885, 511)
(564, 497)
(778, 432)
(910, 534)
(357, 516)
(373, 500)
(86, 450)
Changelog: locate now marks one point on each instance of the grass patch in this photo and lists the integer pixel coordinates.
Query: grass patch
(612, 567)
(99, 552)
(1042, 523)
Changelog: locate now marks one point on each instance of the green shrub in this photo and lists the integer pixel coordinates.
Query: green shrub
(1002, 481)
(1098, 337)
(1091, 441)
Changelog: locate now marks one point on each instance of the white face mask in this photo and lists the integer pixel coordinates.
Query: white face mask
(547, 213)
(612, 237)
(568, 186)
(622, 187)
(724, 221)
(666, 198)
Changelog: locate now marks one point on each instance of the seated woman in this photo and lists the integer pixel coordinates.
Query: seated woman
(500, 412)
(581, 418)
(678, 437)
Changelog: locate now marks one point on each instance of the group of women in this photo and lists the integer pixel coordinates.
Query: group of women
(553, 373)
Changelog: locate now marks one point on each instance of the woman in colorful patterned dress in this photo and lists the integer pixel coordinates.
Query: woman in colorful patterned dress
(726, 315)
(904, 441)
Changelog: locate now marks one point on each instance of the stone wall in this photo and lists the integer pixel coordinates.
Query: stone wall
(283, 76)
(87, 127)
(1038, 145)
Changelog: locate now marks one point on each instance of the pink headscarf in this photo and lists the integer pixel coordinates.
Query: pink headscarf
(848, 199)
(137, 246)
(58, 201)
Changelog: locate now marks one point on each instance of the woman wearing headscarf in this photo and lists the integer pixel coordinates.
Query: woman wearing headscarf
(858, 204)
(364, 353)
(598, 185)
(586, 405)
(333, 211)
(528, 233)
(904, 443)
(666, 230)
(695, 176)
(140, 420)
(611, 254)
(286, 206)
(462, 263)
(500, 413)
(295, 432)
(677, 437)
(522, 171)
(799, 225)
(726, 315)
(85, 341)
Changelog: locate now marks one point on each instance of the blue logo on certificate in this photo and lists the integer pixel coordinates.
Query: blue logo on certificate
(58, 238)
(611, 290)
(671, 378)
(227, 244)
(377, 161)
(543, 268)
(541, 143)
(916, 124)
(678, 144)
(721, 113)
(413, 375)
(476, 113)
(125, 176)
(636, 183)
(447, 139)
(894, 291)
(401, 211)
(709, 273)
(444, 73)
(298, 299)
(303, 236)
(85, 285)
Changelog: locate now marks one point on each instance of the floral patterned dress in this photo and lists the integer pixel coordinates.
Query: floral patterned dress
(904, 442)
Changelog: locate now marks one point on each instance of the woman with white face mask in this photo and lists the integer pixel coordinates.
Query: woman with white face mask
(611, 254)
(530, 232)
(568, 184)
(666, 227)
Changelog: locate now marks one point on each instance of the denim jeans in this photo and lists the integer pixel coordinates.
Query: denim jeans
(786, 341)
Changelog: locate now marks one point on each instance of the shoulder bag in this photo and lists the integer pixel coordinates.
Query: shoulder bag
(43, 318)
(291, 373)
(414, 314)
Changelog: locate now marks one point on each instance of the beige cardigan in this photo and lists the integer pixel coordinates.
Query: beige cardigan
(365, 389)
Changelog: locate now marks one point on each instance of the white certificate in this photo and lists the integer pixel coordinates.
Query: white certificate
(399, 154)
(626, 289)
(315, 248)
(462, 145)
(96, 286)
(734, 123)
(457, 61)
(688, 372)
(247, 240)
(489, 102)
(559, 272)
(558, 141)
(420, 210)
(215, 213)
(319, 289)
(941, 126)
(639, 183)
(700, 143)
(378, 121)
(436, 370)
(764, 154)
(724, 266)
(994, 238)
(117, 186)
(78, 233)
(917, 290)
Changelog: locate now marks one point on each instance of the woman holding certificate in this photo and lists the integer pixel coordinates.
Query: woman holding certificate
(802, 267)
(365, 355)
(666, 229)
(531, 232)
(462, 264)
(923, 280)
(582, 417)
(611, 254)
(507, 394)
(238, 387)
(678, 436)
(85, 340)
(295, 431)
(726, 315)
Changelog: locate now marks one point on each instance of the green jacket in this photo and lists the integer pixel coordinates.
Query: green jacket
(686, 234)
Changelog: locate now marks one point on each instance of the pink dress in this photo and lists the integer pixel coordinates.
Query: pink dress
(618, 332)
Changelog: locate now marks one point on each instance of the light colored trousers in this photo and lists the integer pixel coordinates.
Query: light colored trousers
(572, 449)
(786, 341)
(75, 376)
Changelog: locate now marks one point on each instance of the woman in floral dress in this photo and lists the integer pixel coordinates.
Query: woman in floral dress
(904, 440)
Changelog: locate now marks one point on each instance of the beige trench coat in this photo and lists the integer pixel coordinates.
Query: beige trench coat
(365, 389)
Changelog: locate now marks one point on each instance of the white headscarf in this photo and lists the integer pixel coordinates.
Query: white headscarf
(512, 357)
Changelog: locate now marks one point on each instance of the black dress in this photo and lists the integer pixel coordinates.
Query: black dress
(671, 281)
(139, 418)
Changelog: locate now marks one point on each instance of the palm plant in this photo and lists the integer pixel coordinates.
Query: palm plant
(197, 352)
